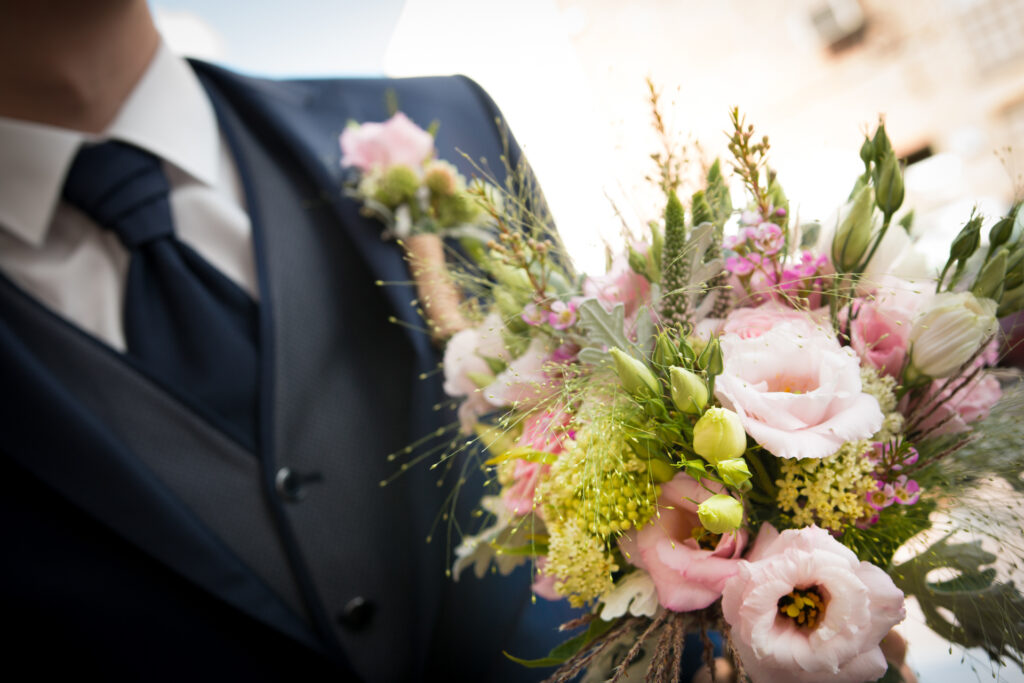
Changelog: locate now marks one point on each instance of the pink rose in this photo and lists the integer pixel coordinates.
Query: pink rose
(620, 285)
(797, 394)
(753, 322)
(804, 609)
(880, 328)
(397, 141)
(686, 575)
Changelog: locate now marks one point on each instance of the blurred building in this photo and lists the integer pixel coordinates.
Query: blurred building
(948, 76)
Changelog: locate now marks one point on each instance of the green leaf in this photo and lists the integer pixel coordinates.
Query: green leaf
(604, 328)
(523, 453)
(986, 614)
(530, 550)
(561, 653)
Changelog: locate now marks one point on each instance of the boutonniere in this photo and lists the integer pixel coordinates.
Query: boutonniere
(420, 199)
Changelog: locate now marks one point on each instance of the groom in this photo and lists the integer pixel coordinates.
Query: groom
(200, 380)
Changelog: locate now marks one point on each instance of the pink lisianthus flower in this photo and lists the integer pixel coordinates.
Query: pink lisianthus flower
(748, 323)
(544, 431)
(620, 285)
(562, 315)
(839, 638)
(686, 575)
(397, 141)
(880, 329)
(797, 394)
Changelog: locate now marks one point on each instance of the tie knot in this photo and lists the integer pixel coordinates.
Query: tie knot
(123, 189)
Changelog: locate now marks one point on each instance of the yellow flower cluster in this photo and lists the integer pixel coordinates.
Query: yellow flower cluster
(580, 562)
(830, 492)
(883, 388)
(593, 493)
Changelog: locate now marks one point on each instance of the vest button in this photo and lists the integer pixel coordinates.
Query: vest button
(291, 485)
(357, 614)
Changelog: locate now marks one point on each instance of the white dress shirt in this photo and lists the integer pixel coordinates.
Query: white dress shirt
(61, 257)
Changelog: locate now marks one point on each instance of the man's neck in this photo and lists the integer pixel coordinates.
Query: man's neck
(69, 63)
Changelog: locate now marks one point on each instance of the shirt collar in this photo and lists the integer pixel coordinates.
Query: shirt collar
(167, 113)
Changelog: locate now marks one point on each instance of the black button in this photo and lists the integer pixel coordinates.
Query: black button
(358, 614)
(292, 485)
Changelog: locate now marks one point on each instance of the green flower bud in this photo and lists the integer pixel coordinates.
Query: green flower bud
(457, 209)
(734, 472)
(880, 144)
(966, 241)
(853, 236)
(1000, 233)
(867, 151)
(1015, 267)
(889, 185)
(710, 358)
(689, 392)
(720, 514)
(442, 178)
(990, 280)
(635, 376)
(701, 210)
(665, 352)
(397, 186)
(638, 263)
(661, 470)
(718, 435)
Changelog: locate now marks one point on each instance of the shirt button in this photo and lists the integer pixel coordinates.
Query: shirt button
(357, 614)
(291, 485)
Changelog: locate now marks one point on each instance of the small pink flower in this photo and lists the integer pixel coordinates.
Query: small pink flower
(562, 315)
(686, 575)
(398, 140)
(532, 315)
(769, 239)
(751, 218)
(733, 241)
(906, 491)
(738, 265)
(838, 640)
(882, 497)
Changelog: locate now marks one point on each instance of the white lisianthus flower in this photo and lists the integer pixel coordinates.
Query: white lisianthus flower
(949, 333)
(635, 593)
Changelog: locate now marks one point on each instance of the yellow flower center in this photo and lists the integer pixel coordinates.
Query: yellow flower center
(805, 606)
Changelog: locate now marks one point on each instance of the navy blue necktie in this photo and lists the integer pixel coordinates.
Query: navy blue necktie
(186, 324)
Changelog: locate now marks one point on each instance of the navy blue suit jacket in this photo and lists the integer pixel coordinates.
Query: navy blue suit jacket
(106, 573)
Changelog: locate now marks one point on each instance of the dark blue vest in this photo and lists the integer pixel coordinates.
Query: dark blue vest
(141, 543)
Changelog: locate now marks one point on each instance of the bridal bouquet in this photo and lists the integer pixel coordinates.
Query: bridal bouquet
(748, 424)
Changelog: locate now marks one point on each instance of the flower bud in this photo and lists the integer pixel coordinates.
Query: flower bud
(990, 280)
(689, 392)
(734, 472)
(880, 144)
(889, 185)
(1000, 233)
(701, 210)
(720, 514)
(635, 376)
(665, 352)
(867, 151)
(1015, 267)
(718, 435)
(949, 332)
(398, 184)
(967, 240)
(855, 231)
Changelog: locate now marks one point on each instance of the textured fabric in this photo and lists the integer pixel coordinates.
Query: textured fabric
(186, 324)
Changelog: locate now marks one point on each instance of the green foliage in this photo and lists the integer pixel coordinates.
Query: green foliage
(675, 273)
(700, 209)
(686, 278)
(717, 193)
(986, 614)
(565, 651)
(896, 525)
